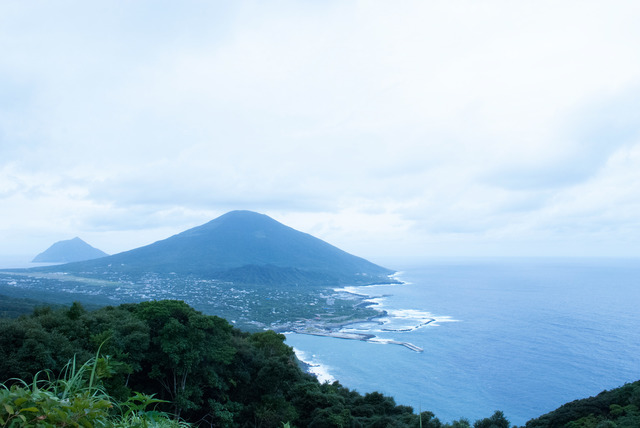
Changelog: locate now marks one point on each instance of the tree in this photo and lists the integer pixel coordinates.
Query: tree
(187, 353)
(497, 420)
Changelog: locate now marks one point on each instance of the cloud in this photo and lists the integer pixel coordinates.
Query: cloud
(607, 204)
(459, 123)
(589, 137)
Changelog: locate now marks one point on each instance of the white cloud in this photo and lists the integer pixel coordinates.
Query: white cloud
(450, 127)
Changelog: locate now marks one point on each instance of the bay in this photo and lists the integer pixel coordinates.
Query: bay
(519, 335)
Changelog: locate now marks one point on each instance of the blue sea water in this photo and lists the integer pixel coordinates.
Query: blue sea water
(519, 335)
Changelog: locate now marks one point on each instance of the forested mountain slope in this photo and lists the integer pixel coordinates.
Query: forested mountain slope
(619, 407)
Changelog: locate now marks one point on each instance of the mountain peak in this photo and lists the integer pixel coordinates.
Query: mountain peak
(244, 217)
(243, 214)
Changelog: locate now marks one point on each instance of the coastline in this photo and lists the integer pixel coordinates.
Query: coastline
(335, 329)
(364, 337)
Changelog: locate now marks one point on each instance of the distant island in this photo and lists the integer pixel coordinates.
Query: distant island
(71, 250)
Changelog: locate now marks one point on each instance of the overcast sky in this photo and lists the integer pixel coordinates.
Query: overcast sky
(390, 129)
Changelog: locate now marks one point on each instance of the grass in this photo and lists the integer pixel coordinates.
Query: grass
(76, 399)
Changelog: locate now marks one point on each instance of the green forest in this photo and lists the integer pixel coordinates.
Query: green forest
(162, 363)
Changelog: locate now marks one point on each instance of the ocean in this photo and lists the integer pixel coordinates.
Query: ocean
(519, 335)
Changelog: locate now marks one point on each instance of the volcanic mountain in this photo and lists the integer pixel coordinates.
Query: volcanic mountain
(71, 250)
(244, 247)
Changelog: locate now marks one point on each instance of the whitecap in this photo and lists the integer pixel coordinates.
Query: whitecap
(320, 371)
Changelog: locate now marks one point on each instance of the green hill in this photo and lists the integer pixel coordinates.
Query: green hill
(619, 407)
(243, 247)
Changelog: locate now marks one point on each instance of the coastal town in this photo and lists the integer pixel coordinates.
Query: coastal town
(320, 312)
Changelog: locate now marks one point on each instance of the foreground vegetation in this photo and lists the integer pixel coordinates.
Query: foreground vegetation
(160, 362)
(205, 371)
(76, 399)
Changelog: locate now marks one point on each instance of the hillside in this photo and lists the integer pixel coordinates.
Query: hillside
(619, 407)
(71, 250)
(243, 247)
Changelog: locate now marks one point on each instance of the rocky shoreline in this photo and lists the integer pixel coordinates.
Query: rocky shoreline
(328, 329)
(332, 327)
(365, 337)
